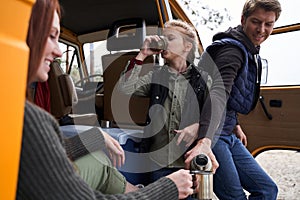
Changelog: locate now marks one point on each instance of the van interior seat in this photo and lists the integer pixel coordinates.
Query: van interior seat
(125, 38)
(63, 98)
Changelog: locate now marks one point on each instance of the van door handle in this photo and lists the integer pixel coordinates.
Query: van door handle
(263, 105)
(275, 103)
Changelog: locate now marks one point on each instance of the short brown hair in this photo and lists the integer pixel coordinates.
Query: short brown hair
(268, 5)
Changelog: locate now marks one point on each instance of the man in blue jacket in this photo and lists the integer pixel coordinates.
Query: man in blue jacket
(233, 62)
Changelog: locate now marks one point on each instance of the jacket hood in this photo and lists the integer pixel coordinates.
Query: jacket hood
(238, 34)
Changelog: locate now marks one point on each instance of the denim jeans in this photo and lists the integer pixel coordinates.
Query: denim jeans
(238, 170)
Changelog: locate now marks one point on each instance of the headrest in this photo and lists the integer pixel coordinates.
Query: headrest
(126, 34)
(62, 91)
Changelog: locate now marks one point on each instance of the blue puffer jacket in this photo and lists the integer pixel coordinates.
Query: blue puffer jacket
(245, 90)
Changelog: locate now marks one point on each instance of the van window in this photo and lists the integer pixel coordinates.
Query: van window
(282, 52)
(93, 53)
(70, 61)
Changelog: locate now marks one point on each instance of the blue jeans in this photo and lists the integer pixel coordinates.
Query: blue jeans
(155, 175)
(238, 170)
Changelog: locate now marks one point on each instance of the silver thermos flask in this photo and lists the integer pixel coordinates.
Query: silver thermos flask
(201, 168)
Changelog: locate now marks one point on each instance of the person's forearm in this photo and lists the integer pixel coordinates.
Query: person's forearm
(223, 75)
(213, 110)
(47, 173)
(84, 143)
(135, 84)
(141, 56)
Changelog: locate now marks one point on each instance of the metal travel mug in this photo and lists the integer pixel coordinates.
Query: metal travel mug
(201, 168)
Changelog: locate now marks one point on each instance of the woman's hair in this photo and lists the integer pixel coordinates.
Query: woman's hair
(190, 35)
(38, 31)
(268, 5)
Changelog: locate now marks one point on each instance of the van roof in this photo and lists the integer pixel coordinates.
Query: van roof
(82, 17)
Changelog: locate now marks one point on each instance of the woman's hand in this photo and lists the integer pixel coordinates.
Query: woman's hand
(189, 134)
(240, 134)
(115, 150)
(145, 50)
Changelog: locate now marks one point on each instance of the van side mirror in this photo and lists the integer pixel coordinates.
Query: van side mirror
(264, 72)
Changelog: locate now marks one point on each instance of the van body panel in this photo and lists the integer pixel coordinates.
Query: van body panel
(280, 132)
(14, 53)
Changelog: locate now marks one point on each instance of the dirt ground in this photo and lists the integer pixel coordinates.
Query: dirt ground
(284, 168)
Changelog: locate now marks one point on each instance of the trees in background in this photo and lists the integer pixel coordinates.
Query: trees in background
(203, 14)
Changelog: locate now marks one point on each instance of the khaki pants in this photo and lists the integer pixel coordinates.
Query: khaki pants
(97, 170)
